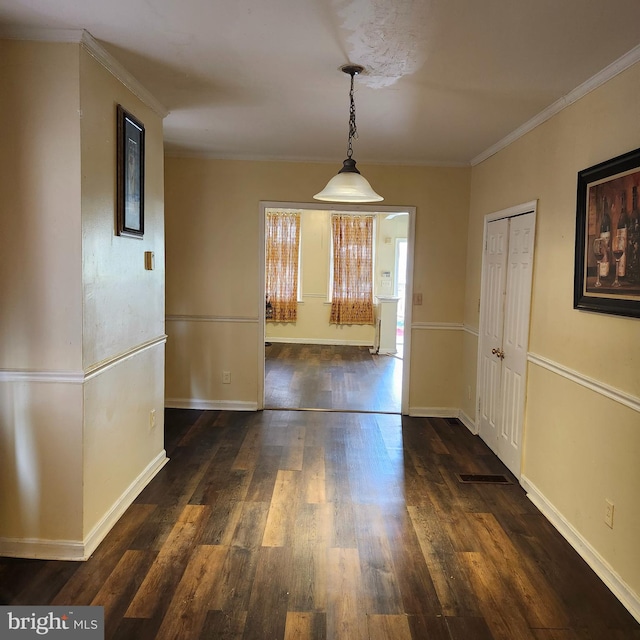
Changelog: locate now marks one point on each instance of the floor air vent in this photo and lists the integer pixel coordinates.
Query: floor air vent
(453, 421)
(484, 478)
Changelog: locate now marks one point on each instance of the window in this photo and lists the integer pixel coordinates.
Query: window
(352, 290)
(282, 250)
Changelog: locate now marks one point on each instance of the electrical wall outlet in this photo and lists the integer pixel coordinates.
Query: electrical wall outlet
(608, 513)
(226, 377)
(417, 299)
(152, 419)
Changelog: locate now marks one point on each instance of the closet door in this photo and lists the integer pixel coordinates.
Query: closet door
(491, 328)
(504, 331)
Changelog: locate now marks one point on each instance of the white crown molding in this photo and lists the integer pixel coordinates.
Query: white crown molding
(97, 51)
(603, 389)
(589, 554)
(609, 72)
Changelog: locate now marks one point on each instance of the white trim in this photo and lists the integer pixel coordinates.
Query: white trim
(196, 318)
(42, 549)
(434, 412)
(24, 375)
(97, 51)
(437, 326)
(609, 72)
(81, 550)
(96, 369)
(106, 523)
(472, 330)
(468, 422)
(326, 341)
(628, 400)
(77, 377)
(210, 405)
(589, 554)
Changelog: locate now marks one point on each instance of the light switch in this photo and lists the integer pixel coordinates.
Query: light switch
(149, 260)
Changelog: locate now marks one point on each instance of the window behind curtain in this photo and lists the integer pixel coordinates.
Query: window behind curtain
(352, 296)
(282, 255)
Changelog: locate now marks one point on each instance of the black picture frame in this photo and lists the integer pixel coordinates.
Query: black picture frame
(610, 190)
(130, 175)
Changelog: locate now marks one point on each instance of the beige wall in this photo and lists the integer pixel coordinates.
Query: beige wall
(82, 328)
(213, 283)
(577, 440)
(123, 302)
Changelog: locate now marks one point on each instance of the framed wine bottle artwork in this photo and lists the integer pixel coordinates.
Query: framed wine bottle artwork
(607, 261)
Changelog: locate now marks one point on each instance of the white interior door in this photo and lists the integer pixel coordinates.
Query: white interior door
(491, 329)
(504, 335)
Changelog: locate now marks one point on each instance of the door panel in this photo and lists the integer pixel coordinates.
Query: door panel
(504, 325)
(516, 339)
(492, 324)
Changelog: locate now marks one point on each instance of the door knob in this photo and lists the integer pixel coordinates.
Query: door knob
(498, 352)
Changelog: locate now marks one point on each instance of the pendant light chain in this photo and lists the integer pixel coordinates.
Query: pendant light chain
(353, 132)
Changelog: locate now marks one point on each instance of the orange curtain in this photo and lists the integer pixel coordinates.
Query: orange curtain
(282, 253)
(352, 297)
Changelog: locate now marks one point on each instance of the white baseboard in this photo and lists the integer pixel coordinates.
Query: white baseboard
(82, 550)
(468, 422)
(604, 571)
(210, 405)
(98, 533)
(325, 341)
(434, 412)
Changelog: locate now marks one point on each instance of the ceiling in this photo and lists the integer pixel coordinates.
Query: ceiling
(445, 80)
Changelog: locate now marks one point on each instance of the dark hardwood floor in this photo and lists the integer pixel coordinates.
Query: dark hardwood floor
(345, 378)
(286, 524)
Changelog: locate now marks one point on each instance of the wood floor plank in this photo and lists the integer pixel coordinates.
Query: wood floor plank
(313, 475)
(220, 625)
(187, 611)
(501, 609)
(117, 591)
(305, 625)
(267, 613)
(279, 529)
(388, 627)
(381, 592)
(157, 588)
(346, 615)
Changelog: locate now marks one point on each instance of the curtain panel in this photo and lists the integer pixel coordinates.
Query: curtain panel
(282, 257)
(352, 296)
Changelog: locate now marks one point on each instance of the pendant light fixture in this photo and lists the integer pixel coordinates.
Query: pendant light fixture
(349, 185)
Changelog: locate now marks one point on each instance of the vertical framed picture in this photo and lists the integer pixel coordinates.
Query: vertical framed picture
(130, 175)
(607, 261)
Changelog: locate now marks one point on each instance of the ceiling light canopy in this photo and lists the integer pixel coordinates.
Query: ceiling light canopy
(349, 185)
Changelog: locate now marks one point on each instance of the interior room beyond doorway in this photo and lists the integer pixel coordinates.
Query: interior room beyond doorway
(315, 364)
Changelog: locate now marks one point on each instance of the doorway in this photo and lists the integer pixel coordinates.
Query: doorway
(407, 214)
(505, 303)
